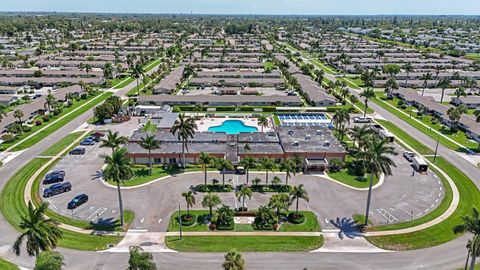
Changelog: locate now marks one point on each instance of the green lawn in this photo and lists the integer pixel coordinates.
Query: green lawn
(310, 224)
(62, 144)
(412, 142)
(428, 130)
(245, 243)
(442, 232)
(4, 265)
(351, 180)
(142, 176)
(52, 127)
(121, 83)
(473, 56)
(276, 121)
(12, 206)
(327, 69)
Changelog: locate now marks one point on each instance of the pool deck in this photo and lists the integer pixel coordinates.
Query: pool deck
(205, 123)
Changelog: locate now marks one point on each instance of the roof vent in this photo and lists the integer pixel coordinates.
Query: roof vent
(296, 143)
(290, 132)
(307, 137)
(318, 132)
(326, 143)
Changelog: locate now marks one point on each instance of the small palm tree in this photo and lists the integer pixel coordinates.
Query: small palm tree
(426, 77)
(113, 140)
(18, 114)
(243, 192)
(276, 181)
(256, 181)
(263, 122)
(149, 127)
(368, 93)
(288, 166)
(140, 260)
(279, 202)
(268, 165)
(205, 161)
(223, 165)
(297, 193)
(248, 163)
(211, 200)
(189, 199)
(42, 234)
(150, 143)
(471, 224)
(184, 128)
(233, 261)
(119, 169)
(377, 160)
(443, 84)
(137, 73)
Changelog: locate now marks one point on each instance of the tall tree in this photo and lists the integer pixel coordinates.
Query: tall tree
(426, 77)
(377, 161)
(279, 202)
(367, 94)
(223, 165)
(297, 193)
(289, 167)
(42, 234)
(189, 200)
(444, 84)
(248, 163)
(184, 128)
(268, 165)
(137, 73)
(263, 122)
(119, 169)
(205, 160)
(471, 224)
(19, 115)
(150, 143)
(113, 140)
(340, 120)
(243, 192)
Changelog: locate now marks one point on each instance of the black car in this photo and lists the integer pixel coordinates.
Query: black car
(77, 201)
(94, 138)
(77, 151)
(57, 189)
(54, 177)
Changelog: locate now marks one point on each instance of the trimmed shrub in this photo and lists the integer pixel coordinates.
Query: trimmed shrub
(26, 128)
(38, 123)
(45, 118)
(187, 219)
(213, 188)
(296, 218)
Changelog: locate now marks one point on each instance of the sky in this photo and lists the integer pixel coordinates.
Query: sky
(284, 7)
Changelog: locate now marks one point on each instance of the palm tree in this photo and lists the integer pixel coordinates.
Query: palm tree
(340, 119)
(205, 161)
(358, 133)
(223, 165)
(444, 83)
(377, 161)
(18, 114)
(149, 127)
(233, 261)
(268, 165)
(189, 199)
(368, 93)
(288, 166)
(42, 234)
(49, 101)
(408, 67)
(353, 100)
(150, 143)
(243, 192)
(246, 148)
(460, 92)
(140, 260)
(211, 200)
(297, 193)
(471, 224)
(137, 73)
(263, 122)
(119, 169)
(248, 163)
(279, 202)
(426, 77)
(113, 140)
(184, 128)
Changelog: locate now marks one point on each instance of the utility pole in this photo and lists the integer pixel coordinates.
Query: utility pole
(179, 221)
(436, 149)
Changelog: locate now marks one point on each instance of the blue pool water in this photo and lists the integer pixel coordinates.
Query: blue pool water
(232, 127)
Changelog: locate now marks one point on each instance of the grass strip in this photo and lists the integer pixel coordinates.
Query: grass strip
(62, 144)
(343, 176)
(244, 243)
(4, 265)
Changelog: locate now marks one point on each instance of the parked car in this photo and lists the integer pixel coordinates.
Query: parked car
(362, 119)
(77, 151)
(54, 177)
(94, 138)
(98, 134)
(87, 141)
(77, 201)
(408, 156)
(57, 189)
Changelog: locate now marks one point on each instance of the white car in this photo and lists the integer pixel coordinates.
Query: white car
(362, 119)
(408, 156)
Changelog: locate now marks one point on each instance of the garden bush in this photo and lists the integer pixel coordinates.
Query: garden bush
(45, 118)
(271, 188)
(8, 138)
(38, 123)
(296, 218)
(214, 188)
(187, 219)
(26, 128)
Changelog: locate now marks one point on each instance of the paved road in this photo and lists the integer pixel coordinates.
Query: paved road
(447, 256)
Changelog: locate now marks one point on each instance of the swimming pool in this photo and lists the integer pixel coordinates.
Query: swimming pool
(232, 127)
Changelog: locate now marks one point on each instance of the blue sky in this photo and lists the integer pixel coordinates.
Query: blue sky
(471, 7)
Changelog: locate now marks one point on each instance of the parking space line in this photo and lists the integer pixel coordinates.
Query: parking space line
(96, 214)
(387, 215)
